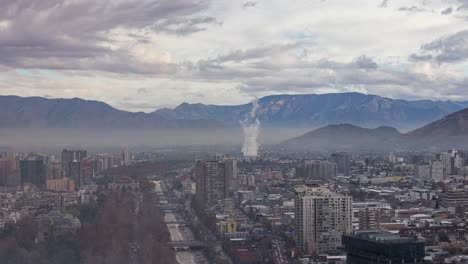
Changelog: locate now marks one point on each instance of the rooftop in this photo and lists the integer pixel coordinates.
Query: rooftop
(384, 237)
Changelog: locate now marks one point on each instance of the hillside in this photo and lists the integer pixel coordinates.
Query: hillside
(342, 137)
(446, 133)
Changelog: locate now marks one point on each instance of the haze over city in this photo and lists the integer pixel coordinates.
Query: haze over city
(233, 132)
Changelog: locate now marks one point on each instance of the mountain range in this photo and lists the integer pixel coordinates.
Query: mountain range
(448, 132)
(316, 110)
(38, 112)
(283, 111)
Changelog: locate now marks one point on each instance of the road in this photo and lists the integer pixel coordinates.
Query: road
(278, 251)
(181, 233)
(133, 245)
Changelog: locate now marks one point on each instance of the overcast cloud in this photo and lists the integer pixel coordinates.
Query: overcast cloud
(140, 55)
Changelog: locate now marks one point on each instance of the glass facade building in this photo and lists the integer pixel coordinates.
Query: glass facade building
(382, 247)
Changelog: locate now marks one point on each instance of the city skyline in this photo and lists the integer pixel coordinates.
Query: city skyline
(233, 132)
(145, 55)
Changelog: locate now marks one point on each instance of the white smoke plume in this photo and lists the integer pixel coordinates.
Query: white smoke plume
(251, 128)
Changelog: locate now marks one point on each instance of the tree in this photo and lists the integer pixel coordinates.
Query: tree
(443, 237)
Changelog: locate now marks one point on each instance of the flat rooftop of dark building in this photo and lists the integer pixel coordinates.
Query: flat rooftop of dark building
(384, 237)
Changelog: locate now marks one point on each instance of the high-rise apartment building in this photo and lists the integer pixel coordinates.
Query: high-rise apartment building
(9, 169)
(452, 160)
(321, 218)
(369, 218)
(342, 161)
(87, 170)
(213, 180)
(54, 170)
(316, 169)
(104, 162)
(438, 170)
(68, 158)
(448, 162)
(33, 170)
(423, 171)
(126, 157)
(75, 172)
(230, 170)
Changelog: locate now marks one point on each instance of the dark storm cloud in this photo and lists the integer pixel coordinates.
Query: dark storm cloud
(66, 34)
(365, 62)
(447, 11)
(447, 49)
(463, 5)
(88, 17)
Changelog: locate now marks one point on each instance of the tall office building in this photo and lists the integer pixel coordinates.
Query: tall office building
(68, 158)
(321, 218)
(213, 180)
(33, 170)
(316, 169)
(342, 161)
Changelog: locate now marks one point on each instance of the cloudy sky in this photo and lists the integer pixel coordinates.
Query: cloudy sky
(140, 55)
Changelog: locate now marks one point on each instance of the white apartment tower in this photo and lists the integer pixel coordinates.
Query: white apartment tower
(214, 178)
(126, 157)
(438, 170)
(321, 218)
